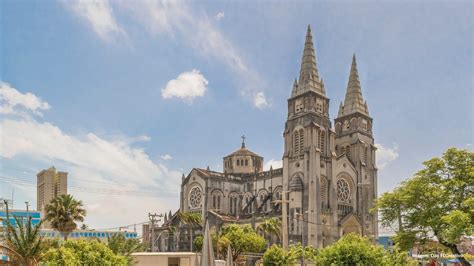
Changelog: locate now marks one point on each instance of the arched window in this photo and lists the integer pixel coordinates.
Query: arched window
(322, 140)
(233, 200)
(246, 162)
(238, 162)
(343, 150)
(216, 199)
(324, 188)
(298, 137)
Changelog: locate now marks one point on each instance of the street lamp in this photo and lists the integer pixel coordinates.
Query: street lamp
(302, 234)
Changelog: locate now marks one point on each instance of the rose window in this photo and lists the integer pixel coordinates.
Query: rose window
(343, 190)
(195, 197)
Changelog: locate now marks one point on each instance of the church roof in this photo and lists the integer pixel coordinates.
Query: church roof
(353, 102)
(244, 151)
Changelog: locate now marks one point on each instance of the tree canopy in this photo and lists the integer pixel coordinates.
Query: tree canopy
(438, 200)
(125, 247)
(83, 252)
(241, 238)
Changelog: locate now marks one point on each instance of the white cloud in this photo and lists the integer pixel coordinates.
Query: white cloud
(97, 14)
(166, 157)
(13, 101)
(385, 155)
(260, 101)
(273, 163)
(96, 163)
(219, 16)
(177, 19)
(187, 86)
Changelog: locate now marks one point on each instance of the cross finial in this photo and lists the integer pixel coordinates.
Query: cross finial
(243, 141)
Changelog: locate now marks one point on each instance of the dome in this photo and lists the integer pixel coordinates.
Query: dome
(296, 184)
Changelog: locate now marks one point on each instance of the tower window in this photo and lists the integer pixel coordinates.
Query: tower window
(238, 162)
(246, 162)
(322, 141)
(365, 154)
(298, 141)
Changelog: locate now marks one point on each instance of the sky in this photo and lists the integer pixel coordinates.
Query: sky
(126, 96)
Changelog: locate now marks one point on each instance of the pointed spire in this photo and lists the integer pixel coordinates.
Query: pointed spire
(309, 68)
(169, 215)
(353, 102)
(309, 76)
(166, 218)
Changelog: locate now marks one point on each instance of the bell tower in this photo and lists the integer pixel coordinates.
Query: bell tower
(308, 146)
(354, 139)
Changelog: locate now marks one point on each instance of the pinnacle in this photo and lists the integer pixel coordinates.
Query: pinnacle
(353, 102)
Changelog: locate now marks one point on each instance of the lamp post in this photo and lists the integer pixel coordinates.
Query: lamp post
(302, 234)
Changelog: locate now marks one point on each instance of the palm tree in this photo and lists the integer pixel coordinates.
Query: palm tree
(191, 219)
(271, 227)
(23, 241)
(63, 212)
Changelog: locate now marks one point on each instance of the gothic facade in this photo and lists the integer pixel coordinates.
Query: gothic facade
(327, 184)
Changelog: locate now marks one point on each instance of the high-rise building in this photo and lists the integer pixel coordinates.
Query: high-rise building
(50, 184)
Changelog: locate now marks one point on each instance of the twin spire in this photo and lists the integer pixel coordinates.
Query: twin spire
(309, 76)
(309, 80)
(353, 102)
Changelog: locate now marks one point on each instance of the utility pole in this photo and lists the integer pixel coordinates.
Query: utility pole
(153, 220)
(27, 206)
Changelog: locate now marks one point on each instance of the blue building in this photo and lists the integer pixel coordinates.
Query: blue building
(35, 215)
(88, 234)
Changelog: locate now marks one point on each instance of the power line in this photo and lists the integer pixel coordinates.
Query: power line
(98, 190)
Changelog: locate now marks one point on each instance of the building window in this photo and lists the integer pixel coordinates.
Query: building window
(195, 197)
(322, 140)
(365, 154)
(343, 191)
(246, 162)
(348, 151)
(238, 162)
(298, 141)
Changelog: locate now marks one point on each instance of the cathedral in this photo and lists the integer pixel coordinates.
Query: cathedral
(325, 189)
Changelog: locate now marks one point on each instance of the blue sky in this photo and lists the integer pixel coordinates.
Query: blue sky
(114, 87)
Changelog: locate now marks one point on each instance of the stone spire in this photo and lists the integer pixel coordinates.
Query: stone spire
(309, 76)
(354, 102)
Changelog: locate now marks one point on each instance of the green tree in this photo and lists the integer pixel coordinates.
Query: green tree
(23, 240)
(351, 249)
(191, 219)
(123, 246)
(63, 212)
(242, 238)
(83, 252)
(276, 255)
(438, 200)
(270, 227)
